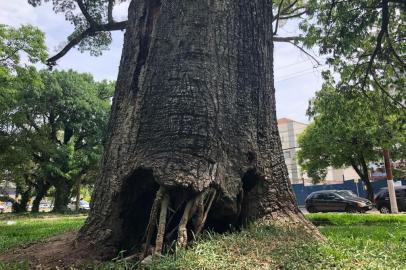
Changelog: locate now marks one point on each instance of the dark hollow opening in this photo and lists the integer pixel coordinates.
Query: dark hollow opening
(250, 189)
(229, 215)
(249, 180)
(137, 196)
(223, 216)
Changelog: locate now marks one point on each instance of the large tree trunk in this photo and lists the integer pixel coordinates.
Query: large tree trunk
(194, 117)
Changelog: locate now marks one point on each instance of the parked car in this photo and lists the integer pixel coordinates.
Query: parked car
(44, 205)
(336, 201)
(83, 205)
(382, 202)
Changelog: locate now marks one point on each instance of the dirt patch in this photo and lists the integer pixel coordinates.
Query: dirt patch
(61, 251)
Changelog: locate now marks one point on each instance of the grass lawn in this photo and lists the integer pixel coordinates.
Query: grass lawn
(354, 241)
(18, 230)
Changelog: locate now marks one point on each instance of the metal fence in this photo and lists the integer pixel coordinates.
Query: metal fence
(303, 191)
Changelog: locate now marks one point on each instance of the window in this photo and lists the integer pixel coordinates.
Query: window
(400, 192)
(319, 196)
(325, 196)
(330, 196)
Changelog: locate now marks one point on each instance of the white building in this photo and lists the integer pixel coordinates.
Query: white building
(289, 131)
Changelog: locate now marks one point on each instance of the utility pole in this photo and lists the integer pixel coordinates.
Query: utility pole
(391, 187)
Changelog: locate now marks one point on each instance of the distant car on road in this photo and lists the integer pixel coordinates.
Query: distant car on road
(382, 202)
(336, 201)
(83, 205)
(45, 205)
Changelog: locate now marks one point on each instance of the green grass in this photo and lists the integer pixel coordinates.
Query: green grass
(353, 219)
(40, 215)
(33, 228)
(354, 241)
(364, 241)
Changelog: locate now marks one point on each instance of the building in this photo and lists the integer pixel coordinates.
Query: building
(289, 131)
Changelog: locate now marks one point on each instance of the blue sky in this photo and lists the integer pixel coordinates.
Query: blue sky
(296, 80)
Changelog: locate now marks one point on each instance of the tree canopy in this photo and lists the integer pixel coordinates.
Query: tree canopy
(93, 22)
(25, 41)
(363, 42)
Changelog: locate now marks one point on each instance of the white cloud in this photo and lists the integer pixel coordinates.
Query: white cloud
(295, 80)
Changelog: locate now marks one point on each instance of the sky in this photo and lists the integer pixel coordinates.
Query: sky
(296, 79)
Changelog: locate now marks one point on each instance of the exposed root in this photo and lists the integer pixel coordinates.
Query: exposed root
(182, 230)
(203, 212)
(152, 220)
(162, 224)
(199, 213)
(196, 208)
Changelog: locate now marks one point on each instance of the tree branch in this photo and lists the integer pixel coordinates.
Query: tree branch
(285, 12)
(355, 167)
(277, 17)
(85, 13)
(303, 50)
(110, 11)
(289, 7)
(92, 30)
(286, 39)
(394, 51)
(293, 16)
(386, 92)
(384, 28)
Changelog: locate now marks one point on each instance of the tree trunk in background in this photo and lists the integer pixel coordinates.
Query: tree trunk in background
(41, 191)
(22, 205)
(367, 182)
(362, 171)
(62, 196)
(77, 202)
(194, 117)
(369, 189)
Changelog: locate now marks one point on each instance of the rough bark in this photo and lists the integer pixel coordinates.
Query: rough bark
(194, 109)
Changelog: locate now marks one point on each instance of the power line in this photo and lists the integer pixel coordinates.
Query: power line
(294, 64)
(297, 74)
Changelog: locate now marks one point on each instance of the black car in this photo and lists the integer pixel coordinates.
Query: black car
(382, 202)
(336, 201)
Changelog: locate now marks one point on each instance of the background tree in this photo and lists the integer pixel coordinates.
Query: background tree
(67, 116)
(346, 131)
(15, 164)
(27, 41)
(193, 125)
(363, 43)
(58, 123)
